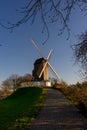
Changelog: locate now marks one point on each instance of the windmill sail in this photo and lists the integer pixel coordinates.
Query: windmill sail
(38, 49)
(58, 77)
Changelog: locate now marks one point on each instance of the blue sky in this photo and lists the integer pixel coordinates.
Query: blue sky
(17, 53)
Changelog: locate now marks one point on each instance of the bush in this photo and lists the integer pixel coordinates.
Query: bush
(77, 93)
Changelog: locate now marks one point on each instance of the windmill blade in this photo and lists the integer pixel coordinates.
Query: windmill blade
(38, 49)
(58, 77)
(48, 57)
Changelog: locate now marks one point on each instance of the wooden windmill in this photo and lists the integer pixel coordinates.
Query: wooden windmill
(41, 65)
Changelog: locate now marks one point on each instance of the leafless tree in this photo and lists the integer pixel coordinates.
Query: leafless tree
(50, 11)
(80, 51)
(14, 81)
(11, 83)
(27, 78)
(6, 85)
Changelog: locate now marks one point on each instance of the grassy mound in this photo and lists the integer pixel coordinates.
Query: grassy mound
(19, 109)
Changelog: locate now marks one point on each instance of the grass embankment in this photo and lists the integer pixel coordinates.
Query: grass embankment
(19, 109)
(77, 94)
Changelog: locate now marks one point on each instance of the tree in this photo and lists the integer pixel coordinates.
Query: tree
(50, 11)
(6, 85)
(26, 80)
(14, 81)
(11, 83)
(80, 51)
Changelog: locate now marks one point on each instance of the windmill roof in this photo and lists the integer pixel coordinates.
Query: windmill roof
(38, 61)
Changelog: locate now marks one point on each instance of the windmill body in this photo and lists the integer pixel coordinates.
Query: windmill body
(38, 66)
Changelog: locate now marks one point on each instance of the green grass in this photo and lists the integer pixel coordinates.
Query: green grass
(19, 109)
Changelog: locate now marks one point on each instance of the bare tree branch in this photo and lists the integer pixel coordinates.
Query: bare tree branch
(50, 11)
(80, 51)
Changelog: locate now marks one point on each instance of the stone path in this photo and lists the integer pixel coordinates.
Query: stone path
(59, 114)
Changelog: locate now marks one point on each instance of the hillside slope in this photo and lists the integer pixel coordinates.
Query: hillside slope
(20, 108)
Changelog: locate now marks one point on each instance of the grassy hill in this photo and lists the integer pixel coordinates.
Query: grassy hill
(19, 109)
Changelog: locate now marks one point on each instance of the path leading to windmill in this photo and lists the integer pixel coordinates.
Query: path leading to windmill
(59, 114)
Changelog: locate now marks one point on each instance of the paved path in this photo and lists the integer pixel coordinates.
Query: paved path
(59, 114)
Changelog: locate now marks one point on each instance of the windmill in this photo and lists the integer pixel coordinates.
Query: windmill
(41, 65)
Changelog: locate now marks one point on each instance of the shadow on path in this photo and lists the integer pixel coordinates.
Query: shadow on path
(59, 114)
